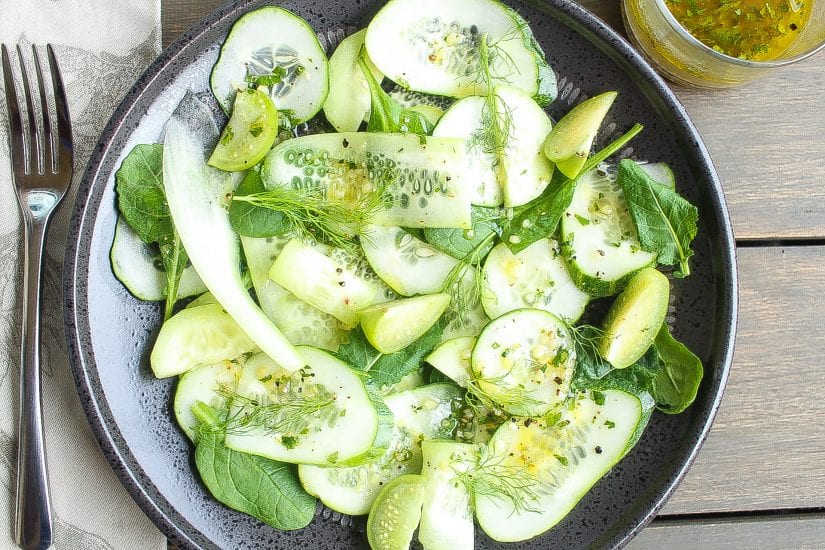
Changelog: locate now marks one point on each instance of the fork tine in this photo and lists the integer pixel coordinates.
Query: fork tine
(48, 153)
(16, 142)
(64, 127)
(34, 132)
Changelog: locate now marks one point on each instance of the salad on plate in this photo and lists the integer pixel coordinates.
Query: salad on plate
(392, 283)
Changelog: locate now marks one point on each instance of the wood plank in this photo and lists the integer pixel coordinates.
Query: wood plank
(767, 533)
(767, 447)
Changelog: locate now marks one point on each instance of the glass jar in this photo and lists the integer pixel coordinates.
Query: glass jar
(682, 58)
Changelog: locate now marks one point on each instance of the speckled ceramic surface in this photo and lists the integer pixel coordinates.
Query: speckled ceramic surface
(110, 332)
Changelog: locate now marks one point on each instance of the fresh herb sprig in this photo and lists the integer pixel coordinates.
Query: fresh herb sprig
(491, 477)
(289, 413)
(308, 213)
(466, 297)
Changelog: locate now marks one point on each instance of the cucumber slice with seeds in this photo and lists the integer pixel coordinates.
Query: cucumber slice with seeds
(432, 46)
(197, 336)
(406, 263)
(409, 98)
(523, 362)
(635, 318)
(428, 412)
(348, 102)
(599, 238)
(446, 518)
(536, 277)
(332, 280)
(565, 459)
(138, 266)
(301, 323)
(273, 42)
(425, 180)
(345, 428)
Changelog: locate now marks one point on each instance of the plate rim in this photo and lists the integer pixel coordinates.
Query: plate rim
(573, 15)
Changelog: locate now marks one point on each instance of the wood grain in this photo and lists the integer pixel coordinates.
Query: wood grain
(760, 533)
(767, 447)
(765, 138)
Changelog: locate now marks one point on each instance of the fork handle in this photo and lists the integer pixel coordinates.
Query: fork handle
(33, 529)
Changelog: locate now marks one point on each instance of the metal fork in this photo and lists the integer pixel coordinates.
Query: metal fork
(42, 168)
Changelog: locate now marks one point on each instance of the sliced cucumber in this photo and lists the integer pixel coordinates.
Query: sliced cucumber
(196, 194)
(396, 513)
(343, 429)
(526, 170)
(423, 413)
(348, 101)
(331, 280)
(249, 134)
(431, 113)
(523, 362)
(408, 98)
(516, 172)
(392, 326)
(425, 179)
(300, 322)
(635, 318)
(446, 518)
(599, 238)
(434, 47)
(138, 266)
(271, 42)
(202, 384)
(407, 264)
(203, 300)
(460, 243)
(536, 277)
(452, 358)
(569, 143)
(660, 172)
(465, 119)
(197, 336)
(565, 460)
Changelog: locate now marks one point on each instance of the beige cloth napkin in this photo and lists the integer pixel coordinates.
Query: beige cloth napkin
(102, 46)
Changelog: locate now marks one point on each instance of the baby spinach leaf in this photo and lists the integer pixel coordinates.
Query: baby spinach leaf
(665, 222)
(677, 379)
(386, 114)
(251, 220)
(263, 488)
(387, 369)
(540, 217)
(459, 243)
(142, 203)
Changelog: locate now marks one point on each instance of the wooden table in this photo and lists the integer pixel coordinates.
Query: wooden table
(759, 481)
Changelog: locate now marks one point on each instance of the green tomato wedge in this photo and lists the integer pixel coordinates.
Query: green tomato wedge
(635, 318)
(570, 140)
(249, 134)
(395, 513)
(392, 326)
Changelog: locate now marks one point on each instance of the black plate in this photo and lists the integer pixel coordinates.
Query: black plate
(110, 332)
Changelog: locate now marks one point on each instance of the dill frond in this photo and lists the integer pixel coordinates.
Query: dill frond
(464, 298)
(489, 476)
(291, 412)
(313, 216)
